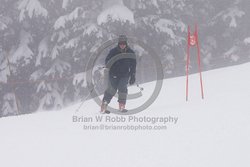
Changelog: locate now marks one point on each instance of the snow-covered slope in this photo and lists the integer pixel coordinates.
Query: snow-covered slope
(214, 132)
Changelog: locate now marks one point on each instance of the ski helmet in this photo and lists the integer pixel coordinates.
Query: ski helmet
(122, 39)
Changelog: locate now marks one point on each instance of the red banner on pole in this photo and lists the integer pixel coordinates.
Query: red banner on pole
(193, 41)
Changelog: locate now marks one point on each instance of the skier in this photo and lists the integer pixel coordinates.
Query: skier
(121, 63)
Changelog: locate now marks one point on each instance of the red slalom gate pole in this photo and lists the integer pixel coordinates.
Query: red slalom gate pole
(188, 59)
(199, 60)
(193, 41)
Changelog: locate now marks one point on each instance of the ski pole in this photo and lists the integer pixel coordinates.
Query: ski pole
(86, 97)
(83, 101)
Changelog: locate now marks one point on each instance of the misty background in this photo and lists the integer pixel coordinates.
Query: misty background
(45, 44)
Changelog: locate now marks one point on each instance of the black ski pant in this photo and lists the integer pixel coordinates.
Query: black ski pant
(117, 83)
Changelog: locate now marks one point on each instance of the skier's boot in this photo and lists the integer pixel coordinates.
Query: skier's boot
(104, 106)
(122, 107)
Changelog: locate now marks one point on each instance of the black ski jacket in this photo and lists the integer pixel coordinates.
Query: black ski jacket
(121, 63)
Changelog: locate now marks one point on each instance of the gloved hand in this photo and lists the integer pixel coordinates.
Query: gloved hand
(132, 79)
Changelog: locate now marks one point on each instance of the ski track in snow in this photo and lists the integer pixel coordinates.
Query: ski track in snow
(214, 132)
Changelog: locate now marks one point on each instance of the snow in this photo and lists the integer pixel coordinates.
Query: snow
(116, 13)
(72, 43)
(62, 20)
(139, 50)
(233, 13)
(4, 71)
(90, 28)
(247, 40)
(42, 50)
(55, 51)
(36, 75)
(80, 78)
(23, 51)
(2, 26)
(7, 107)
(65, 3)
(58, 67)
(155, 3)
(164, 25)
(32, 7)
(212, 132)
(48, 99)
(231, 54)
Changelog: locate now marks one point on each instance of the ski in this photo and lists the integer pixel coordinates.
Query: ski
(124, 110)
(105, 112)
(108, 112)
